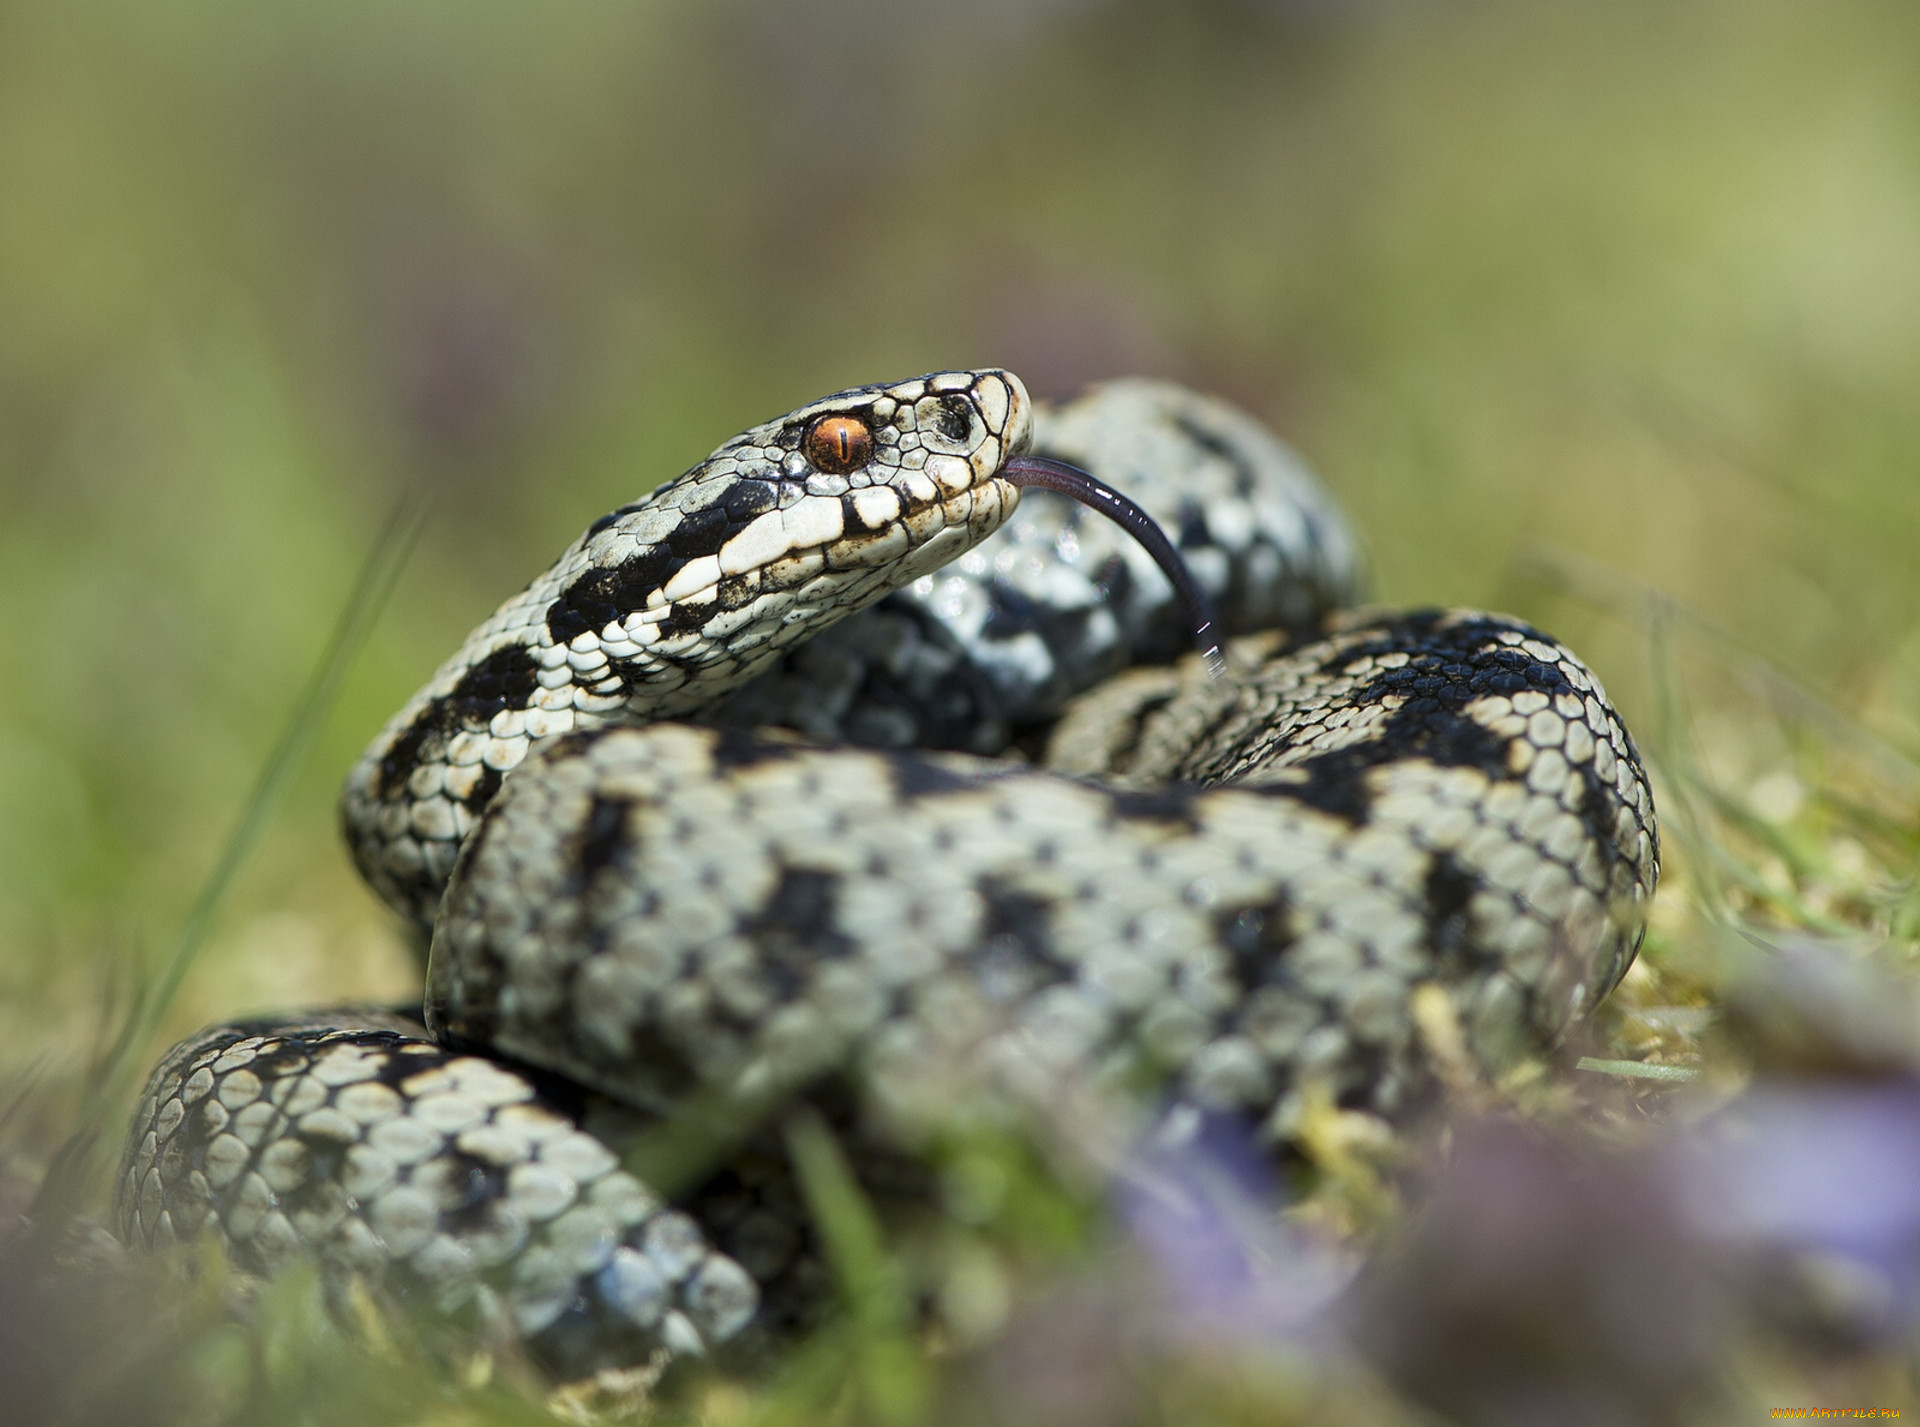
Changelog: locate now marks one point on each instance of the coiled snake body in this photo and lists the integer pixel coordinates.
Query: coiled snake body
(948, 897)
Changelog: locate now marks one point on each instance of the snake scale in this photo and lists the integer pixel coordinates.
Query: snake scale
(786, 783)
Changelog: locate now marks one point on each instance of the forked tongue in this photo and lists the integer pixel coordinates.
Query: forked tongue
(1098, 495)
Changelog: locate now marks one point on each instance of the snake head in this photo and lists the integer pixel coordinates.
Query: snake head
(883, 483)
(805, 518)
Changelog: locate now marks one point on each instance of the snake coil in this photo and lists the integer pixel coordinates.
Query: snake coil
(781, 784)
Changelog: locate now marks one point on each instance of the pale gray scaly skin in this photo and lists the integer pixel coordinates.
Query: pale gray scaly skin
(436, 1180)
(1246, 903)
(996, 642)
(668, 604)
(1482, 756)
(1426, 798)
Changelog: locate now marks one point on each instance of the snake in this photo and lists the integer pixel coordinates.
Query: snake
(849, 770)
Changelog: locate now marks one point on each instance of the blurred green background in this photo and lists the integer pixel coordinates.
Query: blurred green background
(1572, 304)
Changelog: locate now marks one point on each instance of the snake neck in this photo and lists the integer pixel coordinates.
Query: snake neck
(667, 605)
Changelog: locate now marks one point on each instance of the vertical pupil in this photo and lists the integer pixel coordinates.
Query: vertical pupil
(838, 444)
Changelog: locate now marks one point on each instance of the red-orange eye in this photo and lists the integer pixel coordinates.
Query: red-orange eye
(838, 444)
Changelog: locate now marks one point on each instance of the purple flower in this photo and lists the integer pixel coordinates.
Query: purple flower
(1821, 1179)
(1199, 1199)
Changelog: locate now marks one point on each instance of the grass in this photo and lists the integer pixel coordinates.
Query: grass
(1602, 315)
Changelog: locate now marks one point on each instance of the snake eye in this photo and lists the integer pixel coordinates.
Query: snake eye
(838, 444)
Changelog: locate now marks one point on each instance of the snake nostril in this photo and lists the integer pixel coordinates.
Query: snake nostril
(956, 418)
(838, 444)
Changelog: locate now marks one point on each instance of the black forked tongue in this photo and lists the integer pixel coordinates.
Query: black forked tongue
(1071, 480)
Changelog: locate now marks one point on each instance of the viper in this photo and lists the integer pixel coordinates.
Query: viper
(794, 782)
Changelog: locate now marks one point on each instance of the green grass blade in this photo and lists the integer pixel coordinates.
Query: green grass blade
(895, 1386)
(1637, 1069)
